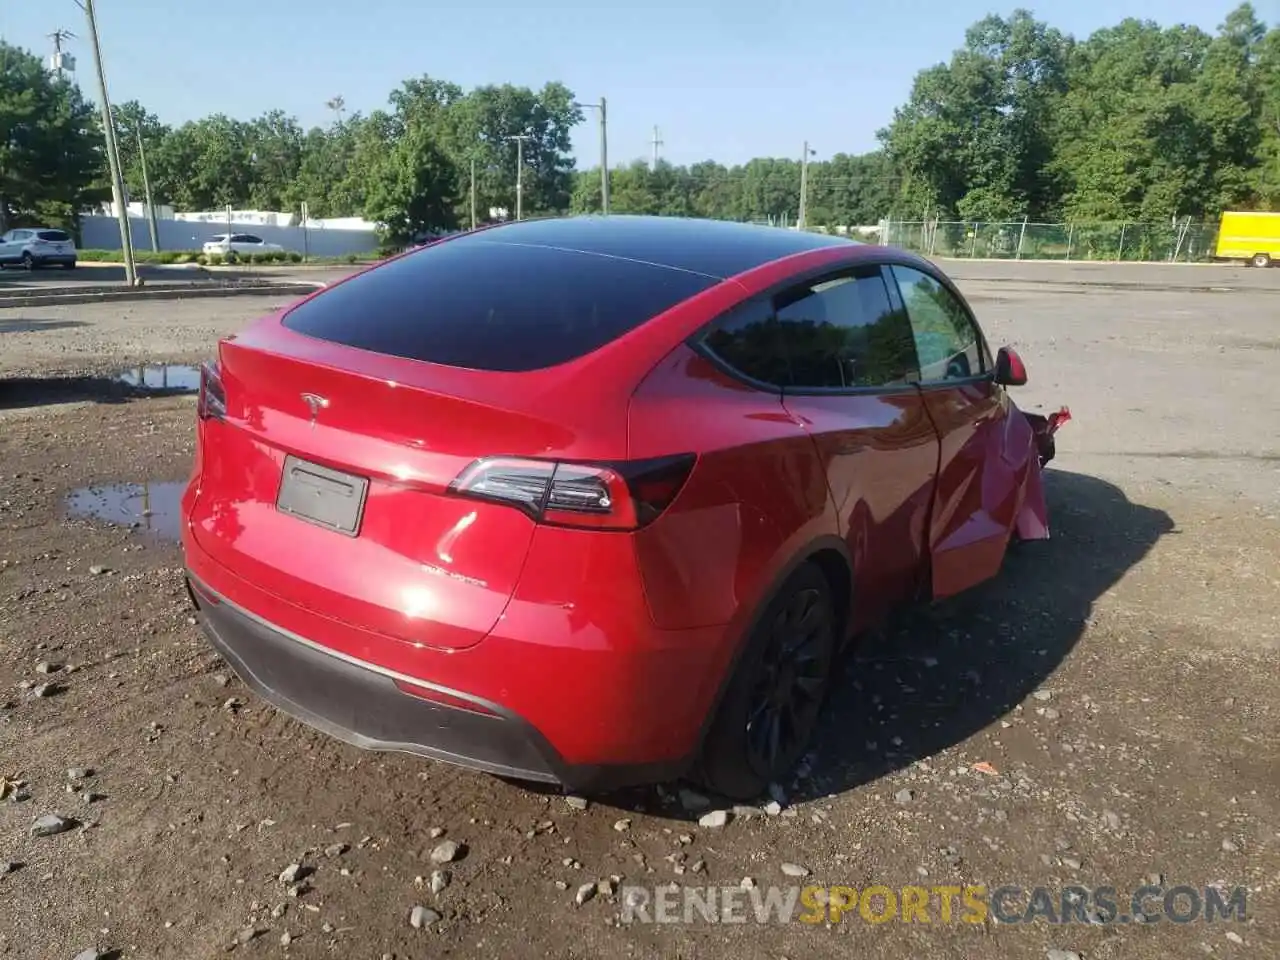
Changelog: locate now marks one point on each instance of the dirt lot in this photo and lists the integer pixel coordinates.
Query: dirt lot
(1118, 688)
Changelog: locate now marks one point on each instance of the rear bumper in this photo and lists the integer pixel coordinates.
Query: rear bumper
(359, 703)
(55, 260)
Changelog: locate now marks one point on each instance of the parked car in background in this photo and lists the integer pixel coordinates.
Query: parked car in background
(33, 247)
(598, 500)
(241, 244)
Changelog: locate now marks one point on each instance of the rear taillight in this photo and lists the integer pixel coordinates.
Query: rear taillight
(212, 403)
(608, 496)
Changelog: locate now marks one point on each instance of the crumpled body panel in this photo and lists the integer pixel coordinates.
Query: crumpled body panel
(1033, 517)
(990, 488)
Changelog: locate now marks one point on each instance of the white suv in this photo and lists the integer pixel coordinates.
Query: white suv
(33, 247)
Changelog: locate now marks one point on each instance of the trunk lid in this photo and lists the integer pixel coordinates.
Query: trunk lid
(326, 484)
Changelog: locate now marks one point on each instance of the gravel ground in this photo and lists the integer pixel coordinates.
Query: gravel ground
(1102, 714)
(70, 341)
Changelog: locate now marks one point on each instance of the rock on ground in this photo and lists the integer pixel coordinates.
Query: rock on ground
(420, 917)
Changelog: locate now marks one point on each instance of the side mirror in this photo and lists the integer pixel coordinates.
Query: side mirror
(1010, 370)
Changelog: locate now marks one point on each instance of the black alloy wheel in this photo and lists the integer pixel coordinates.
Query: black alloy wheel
(790, 680)
(771, 707)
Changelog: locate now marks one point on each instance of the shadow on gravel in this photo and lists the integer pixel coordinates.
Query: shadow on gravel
(89, 275)
(939, 674)
(37, 324)
(24, 392)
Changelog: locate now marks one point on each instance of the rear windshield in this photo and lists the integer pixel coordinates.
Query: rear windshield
(55, 236)
(487, 305)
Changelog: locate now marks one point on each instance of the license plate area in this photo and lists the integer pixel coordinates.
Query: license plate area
(328, 498)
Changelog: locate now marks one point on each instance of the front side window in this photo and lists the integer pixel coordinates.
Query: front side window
(946, 339)
(839, 332)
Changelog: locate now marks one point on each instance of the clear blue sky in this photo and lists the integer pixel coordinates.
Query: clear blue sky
(723, 80)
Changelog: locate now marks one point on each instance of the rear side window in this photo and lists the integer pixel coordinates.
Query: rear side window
(839, 333)
(487, 305)
(53, 236)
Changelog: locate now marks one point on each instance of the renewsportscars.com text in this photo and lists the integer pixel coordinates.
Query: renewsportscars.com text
(975, 904)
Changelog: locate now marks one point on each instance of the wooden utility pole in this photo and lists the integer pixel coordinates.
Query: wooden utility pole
(113, 154)
(473, 193)
(603, 107)
(519, 138)
(151, 204)
(804, 185)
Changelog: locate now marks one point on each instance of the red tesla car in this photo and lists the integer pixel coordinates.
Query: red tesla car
(597, 501)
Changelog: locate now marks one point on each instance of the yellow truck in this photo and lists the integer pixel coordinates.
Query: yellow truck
(1251, 237)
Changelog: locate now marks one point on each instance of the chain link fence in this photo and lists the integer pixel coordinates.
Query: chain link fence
(1184, 241)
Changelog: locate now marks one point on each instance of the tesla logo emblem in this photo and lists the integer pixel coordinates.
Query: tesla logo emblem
(315, 403)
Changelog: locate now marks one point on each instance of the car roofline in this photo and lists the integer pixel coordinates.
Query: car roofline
(609, 256)
(689, 223)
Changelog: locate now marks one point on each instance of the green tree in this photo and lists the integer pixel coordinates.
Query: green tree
(852, 190)
(412, 183)
(639, 188)
(1266, 177)
(479, 126)
(1135, 122)
(132, 121)
(1131, 142)
(325, 179)
(976, 133)
(50, 145)
(275, 142)
(714, 193)
(206, 164)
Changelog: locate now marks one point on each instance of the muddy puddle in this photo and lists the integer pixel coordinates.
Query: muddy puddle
(151, 506)
(162, 378)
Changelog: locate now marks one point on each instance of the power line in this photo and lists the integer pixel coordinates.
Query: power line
(815, 180)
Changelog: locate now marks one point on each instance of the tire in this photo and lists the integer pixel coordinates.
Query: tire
(795, 640)
(69, 266)
(1261, 260)
(27, 262)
